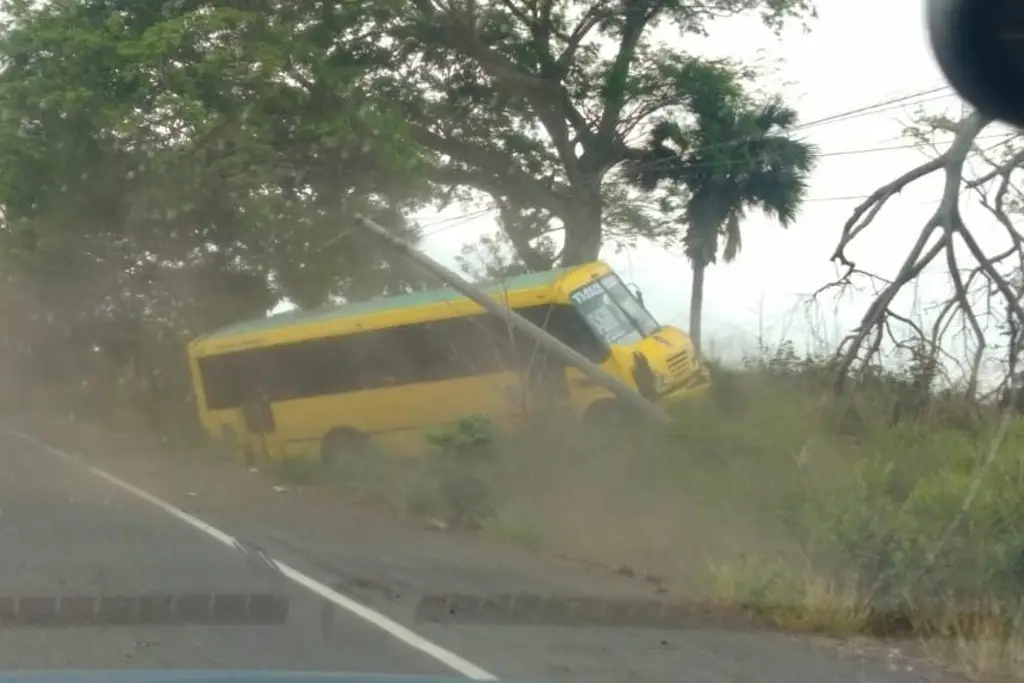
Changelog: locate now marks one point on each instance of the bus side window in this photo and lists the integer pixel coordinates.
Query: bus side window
(217, 384)
(322, 366)
(285, 371)
(406, 354)
(366, 361)
(529, 353)
(493, 344)
(565, 324)
(466, 346)
(227, 378)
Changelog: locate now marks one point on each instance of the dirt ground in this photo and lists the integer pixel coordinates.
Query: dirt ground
(596, 511)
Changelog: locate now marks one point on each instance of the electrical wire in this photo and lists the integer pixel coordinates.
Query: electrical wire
(457, 221)
(877, 108)
(844, 116)
(850, 152)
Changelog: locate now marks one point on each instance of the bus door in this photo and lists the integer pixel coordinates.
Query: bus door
(260, 426)
(229, 431)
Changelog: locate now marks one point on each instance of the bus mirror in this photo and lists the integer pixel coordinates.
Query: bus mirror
(637, 293)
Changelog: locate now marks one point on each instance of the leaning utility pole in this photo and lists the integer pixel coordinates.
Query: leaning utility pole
(493, 306)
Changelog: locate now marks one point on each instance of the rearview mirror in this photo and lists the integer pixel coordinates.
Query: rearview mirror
(637, 293)
(979, 45)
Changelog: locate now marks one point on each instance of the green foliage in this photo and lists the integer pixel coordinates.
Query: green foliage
(168, 168)
(908, 532)
(177, 132)
(902, 526)
(526, 104)
(738, 155)
(461, 455)
(469, 439)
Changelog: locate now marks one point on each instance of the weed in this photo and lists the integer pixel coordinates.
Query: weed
(460, 453)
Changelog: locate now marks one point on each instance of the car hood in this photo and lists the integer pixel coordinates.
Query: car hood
(217, 676)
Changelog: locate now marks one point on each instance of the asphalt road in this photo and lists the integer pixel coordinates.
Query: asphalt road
(66, 533)
(112, 558)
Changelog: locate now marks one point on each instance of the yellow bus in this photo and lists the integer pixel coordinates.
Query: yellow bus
(319, 383)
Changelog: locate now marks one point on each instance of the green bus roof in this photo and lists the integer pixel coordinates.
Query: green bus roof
(358, 308)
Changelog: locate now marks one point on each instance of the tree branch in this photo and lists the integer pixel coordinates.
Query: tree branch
(946, 223)
(488, 170)
(545, 92)
(638, 14)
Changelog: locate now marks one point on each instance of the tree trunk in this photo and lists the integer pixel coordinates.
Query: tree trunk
(697, 302)
(582, 244)
(583, 229)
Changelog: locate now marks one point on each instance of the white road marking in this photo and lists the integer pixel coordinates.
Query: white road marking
(371, 616)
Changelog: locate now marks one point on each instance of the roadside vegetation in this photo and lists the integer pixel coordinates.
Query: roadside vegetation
(893, 512)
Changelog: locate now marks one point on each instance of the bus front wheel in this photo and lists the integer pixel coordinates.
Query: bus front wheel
(342, 443)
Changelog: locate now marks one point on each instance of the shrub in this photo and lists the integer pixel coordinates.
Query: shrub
(901, 514)
(461, 454)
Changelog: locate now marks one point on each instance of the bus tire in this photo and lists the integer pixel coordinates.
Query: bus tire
(342, 442)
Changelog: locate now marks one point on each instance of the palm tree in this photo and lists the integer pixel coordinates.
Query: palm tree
(737, 157)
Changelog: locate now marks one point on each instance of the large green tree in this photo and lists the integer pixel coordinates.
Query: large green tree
(180, 131)
(162, 172)
(735, 156)
(536, 103)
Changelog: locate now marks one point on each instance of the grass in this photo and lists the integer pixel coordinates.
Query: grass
(839, 517)
(821, 515)
(870, 523)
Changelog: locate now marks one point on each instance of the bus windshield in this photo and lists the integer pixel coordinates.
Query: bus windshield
(613, 312)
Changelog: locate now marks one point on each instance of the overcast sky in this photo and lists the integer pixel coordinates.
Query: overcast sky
(857, 54)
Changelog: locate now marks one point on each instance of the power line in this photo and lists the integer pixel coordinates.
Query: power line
(878, 107)
(862, 111)
(815, 200)
(445, 224)
(456, 221)
(874, 108)
(448, 219)
(850, 152)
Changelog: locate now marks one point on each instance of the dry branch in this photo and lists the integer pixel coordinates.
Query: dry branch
(939, 236)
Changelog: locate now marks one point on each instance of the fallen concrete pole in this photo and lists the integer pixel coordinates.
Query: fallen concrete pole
(564, 353)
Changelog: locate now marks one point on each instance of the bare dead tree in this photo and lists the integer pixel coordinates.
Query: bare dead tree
(977, 290)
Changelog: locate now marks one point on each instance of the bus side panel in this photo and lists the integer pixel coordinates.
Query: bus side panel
(585, 392)
(400, 414)
(226, 426)
(208, 421)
